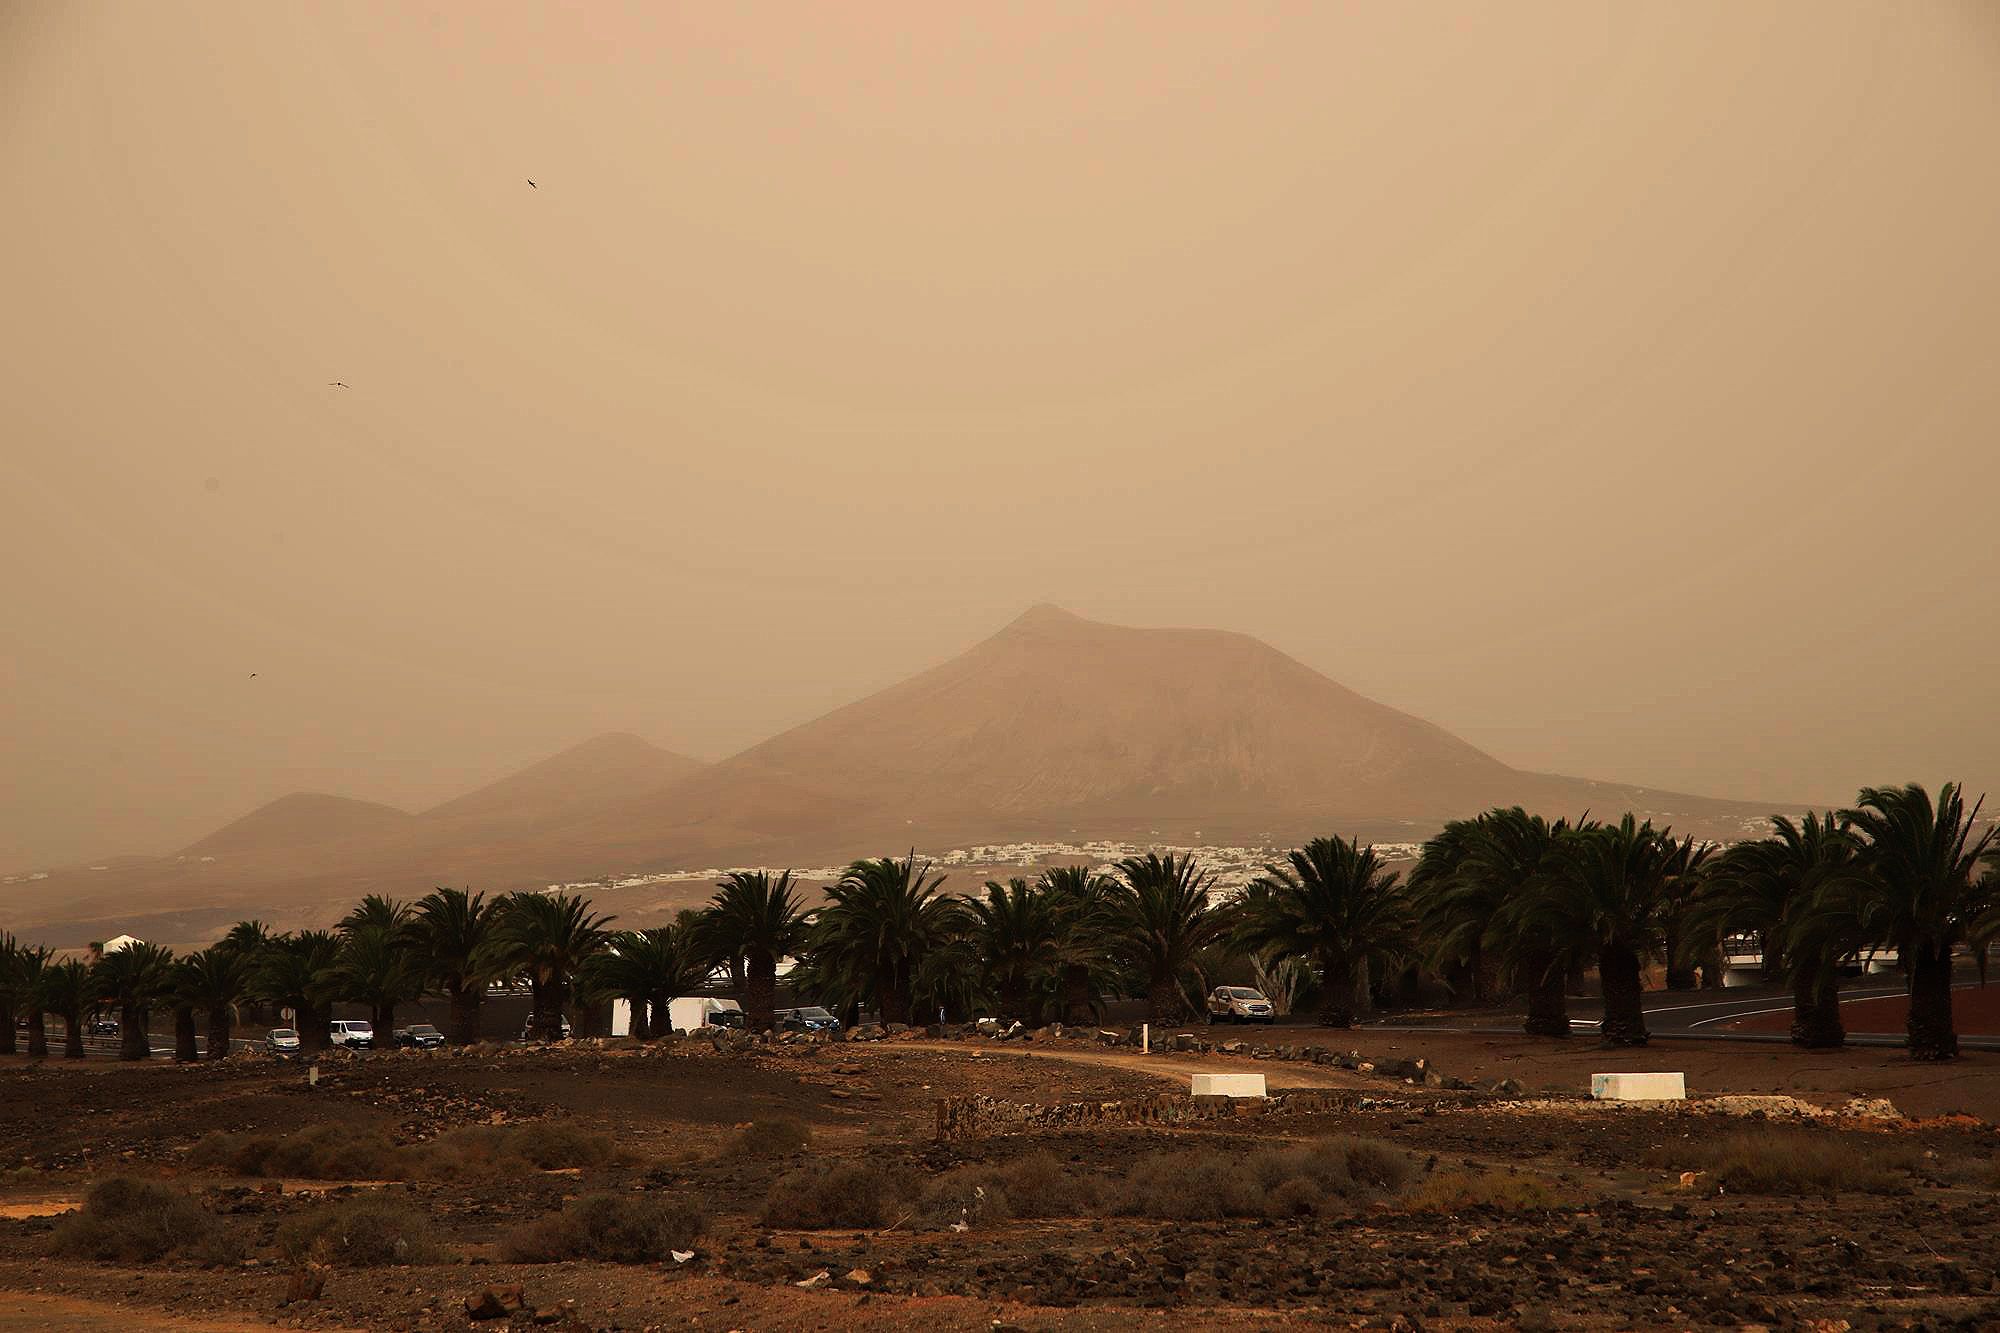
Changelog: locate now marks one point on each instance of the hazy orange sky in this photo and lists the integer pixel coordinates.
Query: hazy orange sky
(1612, 384)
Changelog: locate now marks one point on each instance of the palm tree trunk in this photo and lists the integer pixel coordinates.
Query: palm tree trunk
(1014, 999)
(1816, 1023)
(1624, 1021)
(1336, 992)
(8, 1044)
(1930, 1033)
(640, 1028)
(220, 1025)
(315, 1026)
(382, 1017)
(892, 999)
(73, 1036)
(1769, 962)
(38, 1034)
(185, 1052)
(1077, 1008)
(760, 990)
(1163, 1002)
(1548, 998)
(660, 1019)
(135, 1039)
(549, 1016)
(465, 1001)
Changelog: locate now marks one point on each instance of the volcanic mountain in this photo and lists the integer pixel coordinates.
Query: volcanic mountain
(1055, 728)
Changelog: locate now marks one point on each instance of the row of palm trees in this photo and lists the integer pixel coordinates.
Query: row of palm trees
(1508, 903)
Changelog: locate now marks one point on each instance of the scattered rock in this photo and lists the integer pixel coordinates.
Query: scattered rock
(494, 1303)
(816, 1281)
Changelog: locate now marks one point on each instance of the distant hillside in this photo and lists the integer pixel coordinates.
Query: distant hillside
(303, 819)
(1055, 728)
(600, 771)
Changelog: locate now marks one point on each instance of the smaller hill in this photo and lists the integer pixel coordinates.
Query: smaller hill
(600, 771)
(305, 818)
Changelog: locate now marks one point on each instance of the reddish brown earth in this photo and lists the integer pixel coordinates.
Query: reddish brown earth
(1975, 1010)
(1621, 1245)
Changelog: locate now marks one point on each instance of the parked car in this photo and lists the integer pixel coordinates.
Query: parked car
(1240, 1004)
(103, 1027)
(353, 1033)
(419, 1037)
(282, 1041)
(528, 1032)
(810, 1018)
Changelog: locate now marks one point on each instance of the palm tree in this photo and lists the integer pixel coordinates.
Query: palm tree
(649, 970)
(1791, 889)
(1477, 885)
(378, 967)
(377, 912)
(133, 978)
(547, 937)
(1452, 918)
(300, 972)
(1166, 919)
(66, 991)
(760, 920)
(247, 938)
(882, 918)
(1924, 899)
(453, 929)
(10, 991)
(1613, 890)
(1018, 938)
(29, 966)
(1084, 901)
(218, 979)
(1335, 904)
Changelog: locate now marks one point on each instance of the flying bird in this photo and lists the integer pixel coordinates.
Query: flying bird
(533, 186)
(335, 384)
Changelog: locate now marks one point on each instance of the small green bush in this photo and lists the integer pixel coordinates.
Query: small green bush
(1033, 1186)
(612, 1228)
(127, 1220)
(364, 1232)
(768, 1140)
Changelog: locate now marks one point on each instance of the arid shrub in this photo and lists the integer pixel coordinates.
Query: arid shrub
(1456, 1191)
(1795, 1161)
(768, 1140)
(612, 1228)
(127, 1220)
(1033, 1186)
(549, 1145)
(316, 1152)
(845, 1194)
(1271, 1182)
(360, 1233)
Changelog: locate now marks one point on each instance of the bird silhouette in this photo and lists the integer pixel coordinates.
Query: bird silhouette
(533, 186)
(335, 384)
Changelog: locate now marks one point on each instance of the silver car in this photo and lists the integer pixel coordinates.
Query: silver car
(282, 1041)
(1240, 1004)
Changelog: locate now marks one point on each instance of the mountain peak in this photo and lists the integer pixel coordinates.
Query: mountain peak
(1047, 615)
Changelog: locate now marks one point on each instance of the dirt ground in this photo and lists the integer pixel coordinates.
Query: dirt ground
(1591, 1226)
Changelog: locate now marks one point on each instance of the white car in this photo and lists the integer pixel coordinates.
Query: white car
(1240, 1004)
(282, 1041)
(353, 1033)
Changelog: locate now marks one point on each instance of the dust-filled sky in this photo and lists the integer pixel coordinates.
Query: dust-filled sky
(1616, 385)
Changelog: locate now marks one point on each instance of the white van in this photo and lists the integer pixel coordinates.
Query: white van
(353, 1033)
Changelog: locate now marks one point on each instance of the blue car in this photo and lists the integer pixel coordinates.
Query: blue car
(811, 1018)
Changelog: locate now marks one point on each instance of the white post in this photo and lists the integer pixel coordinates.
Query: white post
(1145, 1039)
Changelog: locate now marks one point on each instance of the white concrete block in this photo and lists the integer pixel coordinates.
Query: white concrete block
(1229, 1085)
(1639, 1087)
